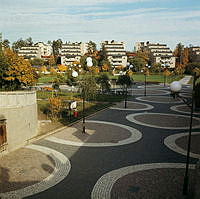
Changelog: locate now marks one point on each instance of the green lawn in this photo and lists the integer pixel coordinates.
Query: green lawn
(156, 78)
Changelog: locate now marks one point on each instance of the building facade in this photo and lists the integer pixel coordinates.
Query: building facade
(158, 53)
(115, 52)
(38, 50)
(72, 52)
(194, 54)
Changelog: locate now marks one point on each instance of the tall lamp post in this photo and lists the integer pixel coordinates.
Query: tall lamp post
(146, 72)
(89, 64)
(165, 65)
(175, 88)
(129, 66)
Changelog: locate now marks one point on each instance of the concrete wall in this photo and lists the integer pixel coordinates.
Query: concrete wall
(20, 111)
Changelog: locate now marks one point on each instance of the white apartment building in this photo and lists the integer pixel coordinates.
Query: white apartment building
(115, 52)
(38, 50)
(158, 53)
(71, 52)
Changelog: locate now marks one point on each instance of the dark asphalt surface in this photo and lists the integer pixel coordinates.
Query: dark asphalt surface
(89, 164)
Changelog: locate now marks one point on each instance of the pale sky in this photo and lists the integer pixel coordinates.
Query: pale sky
(163, 21)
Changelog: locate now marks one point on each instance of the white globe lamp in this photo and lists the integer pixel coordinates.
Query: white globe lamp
(175, 86)
(74, 74)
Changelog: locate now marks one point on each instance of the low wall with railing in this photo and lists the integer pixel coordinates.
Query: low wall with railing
(20, 111)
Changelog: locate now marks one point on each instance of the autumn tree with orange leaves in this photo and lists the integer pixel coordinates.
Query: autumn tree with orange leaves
(15, 72)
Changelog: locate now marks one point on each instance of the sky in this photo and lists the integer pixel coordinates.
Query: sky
(157, 21)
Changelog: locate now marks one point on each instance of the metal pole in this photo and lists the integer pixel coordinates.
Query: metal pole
(125, 106)
(185, 184)
(164, 80)
(145, 82)
(83, 112)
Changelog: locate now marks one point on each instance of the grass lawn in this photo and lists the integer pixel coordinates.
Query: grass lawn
(101, 102)
(156, 78)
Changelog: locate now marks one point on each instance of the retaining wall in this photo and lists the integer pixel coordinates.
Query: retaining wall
(20, 111)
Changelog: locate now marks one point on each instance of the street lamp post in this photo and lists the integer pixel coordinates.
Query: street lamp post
(165, 65)
(175, 88)
(146, 71)
(129, 66)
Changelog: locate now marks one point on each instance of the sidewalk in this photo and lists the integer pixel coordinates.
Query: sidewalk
(185, 80)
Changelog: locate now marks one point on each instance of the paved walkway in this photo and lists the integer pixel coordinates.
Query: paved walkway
(137, 152)
(185, 80)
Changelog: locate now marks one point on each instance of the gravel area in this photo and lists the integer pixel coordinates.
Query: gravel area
(131, 105)
(185, 108)
(22, 168)
(155, 183)
(95, 132)
(195, 143)
(165, 120)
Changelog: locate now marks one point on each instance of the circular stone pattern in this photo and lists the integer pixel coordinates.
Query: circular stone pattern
(184, 109)
(178, 143)
(57, 166)
(163, 121)
(98, 134)
(142, 181)
(148, 92)
(132, 106)
(154, 87)
(22, 173)
(159, 99)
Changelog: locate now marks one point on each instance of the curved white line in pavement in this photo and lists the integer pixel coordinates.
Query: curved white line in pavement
(145, 100)
(130, 118)
(103, 187)
(152, 87)
(61, 170)
(148, 107)
(135, 136)
(175, 108)
(170, 142)
(186, 95)
(162, 92)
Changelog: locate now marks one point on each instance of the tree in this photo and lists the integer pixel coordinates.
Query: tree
(56, 45)
(51, 61)
(124, 80)
(21, 43)
(88, 86)
(138, 63)
(17, 71)
(156, 68)
(178, 53)
(92, 47)
(37, 62)
(6, 43)
(103, 81)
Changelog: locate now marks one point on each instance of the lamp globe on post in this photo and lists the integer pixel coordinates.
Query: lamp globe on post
(175, 88)
(89, 64)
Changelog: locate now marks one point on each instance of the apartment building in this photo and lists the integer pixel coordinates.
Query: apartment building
(158, 53)
(71, 52)
(38, 50)
(115, 52)
(194, 53)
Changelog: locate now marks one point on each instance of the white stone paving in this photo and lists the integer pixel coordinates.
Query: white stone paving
(152, 101)
(148, 107)
(175, 108)
(135, 136)
(103, 187)
(130, 118)
(133, 92)
(61, 170)
(170, 142)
